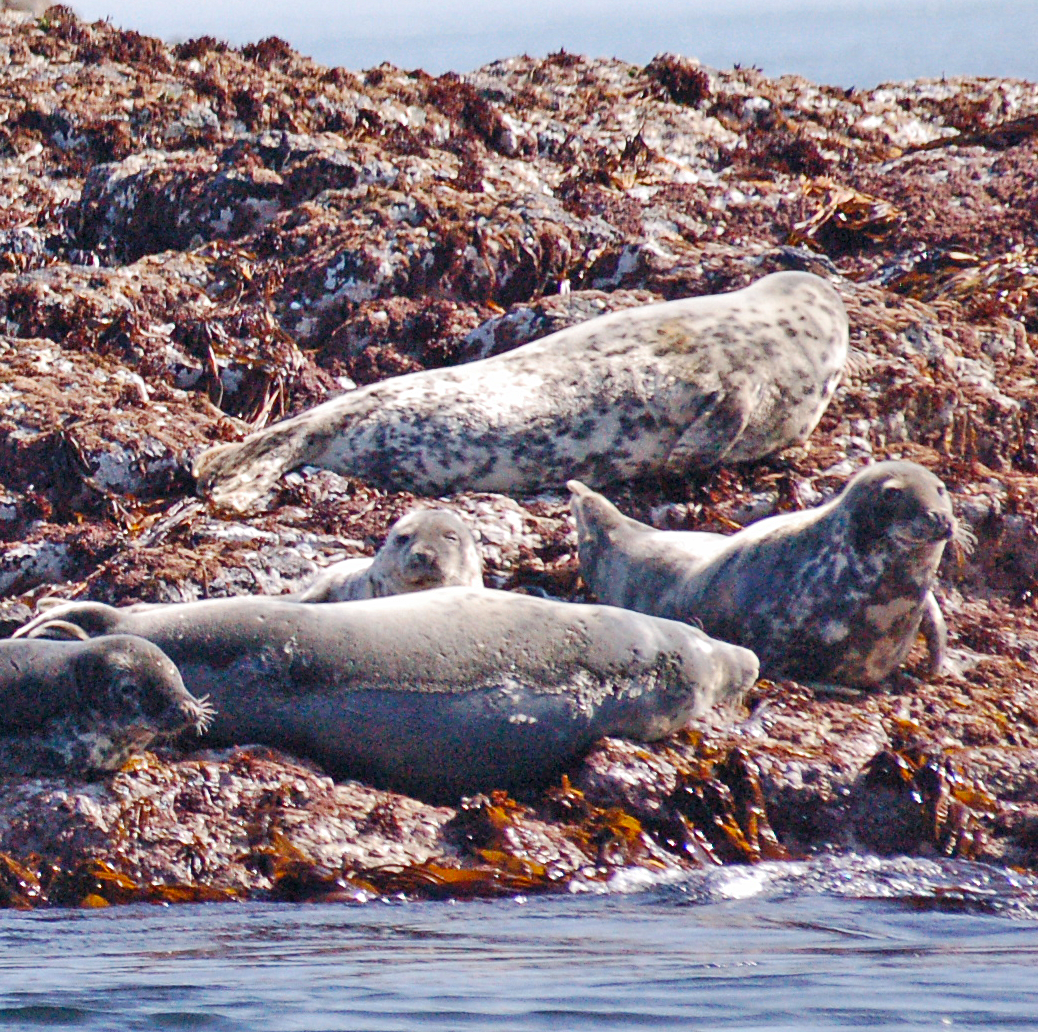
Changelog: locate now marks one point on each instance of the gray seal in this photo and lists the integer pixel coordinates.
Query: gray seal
(435, 693)
(668, 389)
(835, 594)
(428, 548)
(78, 707)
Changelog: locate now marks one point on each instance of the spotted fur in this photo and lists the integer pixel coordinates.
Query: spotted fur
(834, 594)
(668, 388)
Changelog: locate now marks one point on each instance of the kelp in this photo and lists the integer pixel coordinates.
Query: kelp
(90, 884)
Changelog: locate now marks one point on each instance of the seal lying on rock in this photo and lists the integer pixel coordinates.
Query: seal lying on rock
(429, 548)
(436, 693)
(673, 388)
(83, 706)
(834, 594)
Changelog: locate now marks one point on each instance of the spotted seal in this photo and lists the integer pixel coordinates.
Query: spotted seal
(835, 594)
(428, 548)
(85, 706)
(668, 388)
(436, 693)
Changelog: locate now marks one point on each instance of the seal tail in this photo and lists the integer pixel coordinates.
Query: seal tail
(599, 524)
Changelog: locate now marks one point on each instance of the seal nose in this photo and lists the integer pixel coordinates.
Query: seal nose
(943, 526)
(423, 561)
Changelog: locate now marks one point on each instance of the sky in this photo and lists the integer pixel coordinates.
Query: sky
(846, 42)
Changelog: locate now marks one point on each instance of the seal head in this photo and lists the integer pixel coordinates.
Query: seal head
(428, 548)
(82, 707)
(835, 594)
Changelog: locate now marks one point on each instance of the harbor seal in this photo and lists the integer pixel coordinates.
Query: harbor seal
(435, 693)
(78, 707)
(428, 548)
(835, 594)
(668, 389)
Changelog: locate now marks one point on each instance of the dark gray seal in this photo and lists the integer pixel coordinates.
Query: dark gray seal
(428, 548)
(668, 388)
(436, 693)
(835, 594)
(79, 707)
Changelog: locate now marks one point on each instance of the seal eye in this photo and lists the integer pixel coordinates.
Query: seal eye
(402, 539)
(449, 535)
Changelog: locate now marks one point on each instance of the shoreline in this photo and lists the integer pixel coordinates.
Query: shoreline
(196, 241)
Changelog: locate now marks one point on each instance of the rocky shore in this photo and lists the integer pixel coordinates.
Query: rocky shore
(196, 241)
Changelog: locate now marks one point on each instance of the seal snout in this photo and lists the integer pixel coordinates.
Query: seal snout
(942, 525)
(423, 564)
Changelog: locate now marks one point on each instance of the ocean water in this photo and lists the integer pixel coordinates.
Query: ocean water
(852, 943)
(845, 42)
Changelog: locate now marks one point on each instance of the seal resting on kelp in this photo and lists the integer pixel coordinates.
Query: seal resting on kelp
(78, 707)
(435, 693)
(835, 594)
(428, 548)
(669, 388)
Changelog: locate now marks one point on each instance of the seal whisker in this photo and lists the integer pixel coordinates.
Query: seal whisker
(964, 538)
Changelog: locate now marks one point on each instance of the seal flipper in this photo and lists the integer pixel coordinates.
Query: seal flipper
(71, 621)
(238, 476)
(712, 435)
(935, 631)
(601, 529)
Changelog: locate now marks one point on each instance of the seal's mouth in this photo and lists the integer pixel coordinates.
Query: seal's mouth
(930, 528)
(424, 578)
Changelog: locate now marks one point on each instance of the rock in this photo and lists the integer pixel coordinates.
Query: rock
(199, 240)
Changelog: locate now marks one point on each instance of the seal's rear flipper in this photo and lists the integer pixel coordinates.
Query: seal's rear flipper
(229, 480)
(240, 476)
(71, 621)
(594, 514)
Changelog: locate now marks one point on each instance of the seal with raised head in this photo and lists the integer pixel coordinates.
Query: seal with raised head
(436, 693)
(428, 548)
(83, 706)
(669, 388)
(835, 594)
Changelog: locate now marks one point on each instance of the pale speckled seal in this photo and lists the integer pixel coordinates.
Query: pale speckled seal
(436, 693)
(428, 548)
(83, 706)
(835, 594)
(668, 388)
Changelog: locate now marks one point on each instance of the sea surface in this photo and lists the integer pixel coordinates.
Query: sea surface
(844, 42)
(832, 944)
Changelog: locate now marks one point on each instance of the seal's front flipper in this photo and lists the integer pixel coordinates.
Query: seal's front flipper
(935, 631)
(712, 434)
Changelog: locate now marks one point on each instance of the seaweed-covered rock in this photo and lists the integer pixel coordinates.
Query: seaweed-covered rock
(198, 240)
